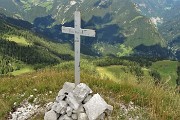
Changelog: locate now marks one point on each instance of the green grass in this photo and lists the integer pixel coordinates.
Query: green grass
(106, 49)
(167, 70)
(117, 73)
(18, 40)
(61, 48)
(121, 74)
(124, 51)
(22, 71)
(160, 103)
(48, 5)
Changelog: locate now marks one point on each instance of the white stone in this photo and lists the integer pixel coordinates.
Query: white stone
(82, 116)
(76, 103)
(87, 99)
(49, 106)
(74, 116)
(14, 117)
(101, 117)
(109, 110)
(69, 111)
(60, 98)
(61, 95)
(72, 101)
(60, 107)
(95, 107)
(81, 91)
(24, 112)
(50, 115)
(65, 117)
(63, 111)
(54, 106)
(109, 107)
(61, 92)
(68, 87)
(79, 110)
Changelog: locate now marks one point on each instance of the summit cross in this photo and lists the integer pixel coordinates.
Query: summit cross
(78, 32)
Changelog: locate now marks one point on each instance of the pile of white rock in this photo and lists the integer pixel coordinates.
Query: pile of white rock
(77, 103)
(24, 112)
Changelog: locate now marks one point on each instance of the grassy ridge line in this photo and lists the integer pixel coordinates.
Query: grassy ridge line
(160, 104)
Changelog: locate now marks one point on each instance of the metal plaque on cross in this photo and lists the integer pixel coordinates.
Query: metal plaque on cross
(78, 32)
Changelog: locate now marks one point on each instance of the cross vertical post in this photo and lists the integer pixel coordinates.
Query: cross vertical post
(77, 23)
(78, 32)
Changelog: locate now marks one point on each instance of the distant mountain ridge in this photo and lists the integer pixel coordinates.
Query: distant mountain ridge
(115, 21)
(154, 8)
(166, 15)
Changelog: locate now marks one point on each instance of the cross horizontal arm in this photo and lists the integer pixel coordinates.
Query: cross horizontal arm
(88, 32)
(68, 30)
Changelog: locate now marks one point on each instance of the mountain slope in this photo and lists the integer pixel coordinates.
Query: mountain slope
(115, 21)
(154, 8)
(20, 47)
(165, 14)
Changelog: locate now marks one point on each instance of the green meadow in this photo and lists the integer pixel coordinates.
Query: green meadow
(167, 70)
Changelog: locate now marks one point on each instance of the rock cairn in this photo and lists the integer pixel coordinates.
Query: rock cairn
(77, 103)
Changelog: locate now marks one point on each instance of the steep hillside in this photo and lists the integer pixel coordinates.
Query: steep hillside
(162, 12)
(115, 21)
(165, 15)
(21, 48)
(170, 28)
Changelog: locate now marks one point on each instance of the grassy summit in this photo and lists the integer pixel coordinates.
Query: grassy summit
(153, 102)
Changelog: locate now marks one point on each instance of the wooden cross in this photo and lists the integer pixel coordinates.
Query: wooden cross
(78, 32)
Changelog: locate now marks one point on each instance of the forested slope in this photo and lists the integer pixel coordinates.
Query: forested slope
(21, 47)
